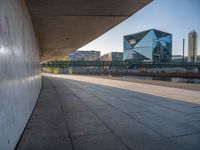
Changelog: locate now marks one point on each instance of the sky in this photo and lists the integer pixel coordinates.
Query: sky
(177, 17)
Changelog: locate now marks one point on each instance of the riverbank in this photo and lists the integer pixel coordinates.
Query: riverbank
(157, 74)
(187, 86)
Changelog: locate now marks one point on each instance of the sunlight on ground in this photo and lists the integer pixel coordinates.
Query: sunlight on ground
(168, 92)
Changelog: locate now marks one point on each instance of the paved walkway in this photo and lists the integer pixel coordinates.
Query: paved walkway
(86, 113)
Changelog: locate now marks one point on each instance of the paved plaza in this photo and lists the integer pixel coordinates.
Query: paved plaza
(89, 113)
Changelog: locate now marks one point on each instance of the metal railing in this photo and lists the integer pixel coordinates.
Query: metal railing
(119, 64)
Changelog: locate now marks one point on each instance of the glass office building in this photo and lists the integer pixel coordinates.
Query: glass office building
(85, 56)
(148, 46)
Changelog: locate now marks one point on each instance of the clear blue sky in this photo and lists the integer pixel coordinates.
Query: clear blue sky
(178, 17)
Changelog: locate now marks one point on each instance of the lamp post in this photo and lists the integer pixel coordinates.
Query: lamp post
(183, 50)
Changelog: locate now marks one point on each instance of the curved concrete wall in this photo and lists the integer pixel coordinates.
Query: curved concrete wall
(20, 79)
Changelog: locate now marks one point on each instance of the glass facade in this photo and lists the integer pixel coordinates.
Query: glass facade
(148, 46)
(113, 56)
(85, 56)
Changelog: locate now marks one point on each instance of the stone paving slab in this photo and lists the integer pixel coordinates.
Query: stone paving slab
(191, 142)
(85, 123)
(75, 113)
(164, 126)
(99, 142)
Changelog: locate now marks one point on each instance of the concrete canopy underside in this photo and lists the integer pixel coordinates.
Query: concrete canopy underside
(65, 25)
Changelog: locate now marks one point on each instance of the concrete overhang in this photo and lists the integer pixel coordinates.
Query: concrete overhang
(62, 26)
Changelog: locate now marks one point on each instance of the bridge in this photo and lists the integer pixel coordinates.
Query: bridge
(119, 64)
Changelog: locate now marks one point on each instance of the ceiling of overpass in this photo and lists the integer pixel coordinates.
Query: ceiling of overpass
(65, 25)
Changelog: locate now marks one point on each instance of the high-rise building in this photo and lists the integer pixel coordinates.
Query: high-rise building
(192, 46)
(85, 56)
(113, 56)
(151, 46)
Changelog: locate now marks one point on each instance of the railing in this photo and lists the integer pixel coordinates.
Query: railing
(118, 64)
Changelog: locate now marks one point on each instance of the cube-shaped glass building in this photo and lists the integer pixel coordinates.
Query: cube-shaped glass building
(148, 46)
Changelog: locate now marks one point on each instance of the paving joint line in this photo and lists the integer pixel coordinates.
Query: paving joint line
(60, 103)
(171, 137)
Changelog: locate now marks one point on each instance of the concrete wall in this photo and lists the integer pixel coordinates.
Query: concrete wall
(20, 79)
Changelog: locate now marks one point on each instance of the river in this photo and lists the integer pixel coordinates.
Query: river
(169, 79)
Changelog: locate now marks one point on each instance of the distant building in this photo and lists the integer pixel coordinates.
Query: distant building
(179, 58)
(113, 56)
(192, 46)
(198, 58)
(151, 46)
(85, 56)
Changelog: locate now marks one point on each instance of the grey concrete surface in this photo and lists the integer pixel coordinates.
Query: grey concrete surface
(66, 25)
(20, 79)
(81, 115)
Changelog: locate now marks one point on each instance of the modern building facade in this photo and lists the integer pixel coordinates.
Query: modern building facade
(85, 56)
(148, 46)
(113, 56)
(192, 46)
